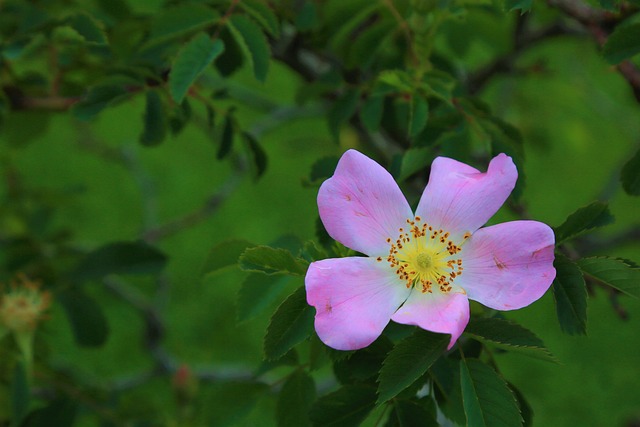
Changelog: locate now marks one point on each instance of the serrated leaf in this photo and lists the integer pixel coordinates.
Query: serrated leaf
(583, 220)
(136, 258)
(88, 28)
(97, 99)
(88, 322)
(487, 400)
(257, 154)
(418, 115)
(525, 409)
(570, 293)
(268, 260)
(398, 79)
(257, 293)
(192, 59)
(407, 413)
(371, 112)
(613, 272)
(408, 361)
(174, 22)
(342, 110)
(623, 43)
(61, 412)
(155, 120)
(262, 14)
(295, 399)
(20, 393)
(226, 136)
(290, 324)
(253, 44)
(345, 407)
(630, 175)
(508, 335)
(225, 254)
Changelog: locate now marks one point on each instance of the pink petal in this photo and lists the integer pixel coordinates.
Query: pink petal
(437, 312)
(361, 205)
(508, 266)
(354, 300)
(460, 199)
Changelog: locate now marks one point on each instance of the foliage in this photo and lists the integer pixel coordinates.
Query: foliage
(104, 107)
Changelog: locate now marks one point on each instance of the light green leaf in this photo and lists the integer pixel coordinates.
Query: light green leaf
(613, 272)
(570, 293)
(295, 399)
(622, 44)
(487, 400)
(155, 120)
(630, 175)
(290, 324)
(190, 62)
(584, 220)
(345, 407)
(253, 44)
(408, 361)
(268, 260)
(414, 160)
(509, 336)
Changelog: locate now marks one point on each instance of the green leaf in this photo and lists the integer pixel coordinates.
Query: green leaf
(253, 44)
(622, 44)
(296, 397)
(225, 254)
(613, 272)
(525, 409)
(439, 85)
(408, 361)
(263, 14)
(583, 220)
(97, 99)
(175, 22)
(522, 5)
(407, 413)
(418, 115)
(20, 393)
(371, 112)
(342, 110)
(233, 401)
(257, 293)
(257, 154)
(226, 137)
(290, 358)
(155, 120)
(413, 160)
(192, 59)
(268, 260)
(307, 17)
(363, 364)
(323, 168)
(136, 258)
(487, 400)
(570, 293)
(509, 336)
(630, 175)
(61, 412)
(445, 373)
(345, 407)
(290, 324)
(90, 29)
(88, 322)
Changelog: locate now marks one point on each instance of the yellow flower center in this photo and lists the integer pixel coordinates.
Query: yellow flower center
(424, 257)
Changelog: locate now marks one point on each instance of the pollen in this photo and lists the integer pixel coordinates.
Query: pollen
(425, 257)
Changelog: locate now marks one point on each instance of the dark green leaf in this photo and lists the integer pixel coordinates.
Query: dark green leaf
(257, 154)
(446, 379)
(312, 252)
(622, 44)
(192, 59)
(263, 14)
(61, 412)
(630, 175)
(371, 112)
(407, 413)
(88, 28)
(296, 397)
(270, 260)
(253, 44)
(570, 293)
(510, 336)
(522, 5)
(487, 400)
(155, 120)
(290, 324)
(20, 393)
(342, 110)
(307, 17)
(97, 99)
(225, 254)
(345, 407)
(323, 168)
(418, 115)
(290, 358)
(226, 137)
(363, 364)
(583, 220)
(233, 401)
(613, 272)
(408, 361)
(257, 293)
(180, 115)
(121, 258)
(525, 409)
(440, 85)
(174, 22)
(88, 322)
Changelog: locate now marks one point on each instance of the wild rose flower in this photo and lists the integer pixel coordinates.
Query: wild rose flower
(422, 269)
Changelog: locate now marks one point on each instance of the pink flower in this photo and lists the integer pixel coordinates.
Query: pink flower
(422, 269)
